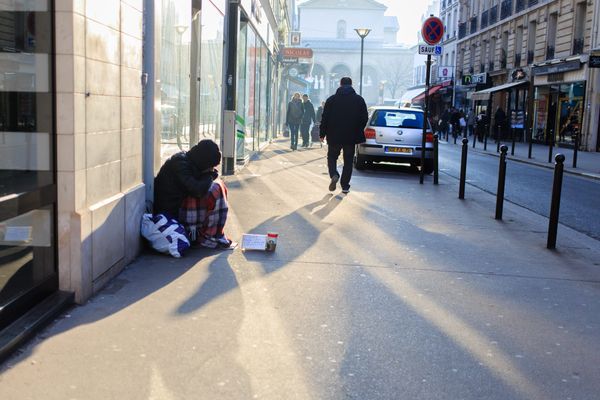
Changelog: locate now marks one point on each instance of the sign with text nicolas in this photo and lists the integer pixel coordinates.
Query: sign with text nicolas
(297, 52)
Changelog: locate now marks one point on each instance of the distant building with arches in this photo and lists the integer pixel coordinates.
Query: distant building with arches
(327, 27)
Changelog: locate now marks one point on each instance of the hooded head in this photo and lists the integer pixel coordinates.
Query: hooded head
(205, 155)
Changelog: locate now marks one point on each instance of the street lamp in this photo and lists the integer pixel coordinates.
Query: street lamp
(362, 32)
(180, 29)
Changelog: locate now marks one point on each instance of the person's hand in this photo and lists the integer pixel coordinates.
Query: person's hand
(322, 138)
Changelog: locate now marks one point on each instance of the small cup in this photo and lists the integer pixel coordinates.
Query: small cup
(271, 241)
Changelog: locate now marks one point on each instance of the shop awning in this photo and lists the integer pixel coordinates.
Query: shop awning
(486, 93)
(410, 94)
(432, 90)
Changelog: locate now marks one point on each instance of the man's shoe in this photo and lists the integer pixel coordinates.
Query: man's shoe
(345, 191)
(333, 182)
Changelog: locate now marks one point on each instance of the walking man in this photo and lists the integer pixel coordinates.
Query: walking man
(308, 117)
(293, 118)
(342, 124)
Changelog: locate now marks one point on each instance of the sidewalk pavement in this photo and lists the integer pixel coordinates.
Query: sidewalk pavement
(588, 163)
(396, 290)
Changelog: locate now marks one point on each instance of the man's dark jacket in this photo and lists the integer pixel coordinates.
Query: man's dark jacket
(178, 178)
(309, 113)
(344, 117)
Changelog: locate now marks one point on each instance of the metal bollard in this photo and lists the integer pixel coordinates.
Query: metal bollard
(435, 159)
(474, 139)
(501, 182)
(512, 134)
(550, 146)
(463, 169)
(485, 135)
(498, 140)
(454, 134)
(575, 149)
(555, 204)
(530, 143)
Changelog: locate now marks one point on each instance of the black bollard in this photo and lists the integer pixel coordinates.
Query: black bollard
(474, 139)
(555, 204)
(501, 182)
(530, 143)
(512, 134)
(454, 134)
(463, 169)
(575, 149)
(435, 159)
(485, 135)
(550, 146)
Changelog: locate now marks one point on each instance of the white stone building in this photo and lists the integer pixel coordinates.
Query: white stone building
(327, 26)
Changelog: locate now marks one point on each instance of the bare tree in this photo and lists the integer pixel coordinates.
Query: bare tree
(398, 75)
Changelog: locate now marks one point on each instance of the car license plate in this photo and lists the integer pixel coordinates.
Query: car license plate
(404, 150)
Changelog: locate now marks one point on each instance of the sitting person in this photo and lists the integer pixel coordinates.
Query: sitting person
(187, 189)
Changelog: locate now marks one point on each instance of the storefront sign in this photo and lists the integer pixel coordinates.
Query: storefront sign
(555, 68)
(297, 52)
(445, 73)
(295, 38)
(474, 79)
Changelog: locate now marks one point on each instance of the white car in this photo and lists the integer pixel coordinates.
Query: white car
(394, 134)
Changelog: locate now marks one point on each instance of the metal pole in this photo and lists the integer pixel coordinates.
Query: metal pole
(425, 117)
(576, 149)
(435, 159)
(551, 146)
(362, 44)
(498, 140)
(530, 143)
(485, 136)
(501, 182)
(555, 204)
(512, 134)
(463, 169)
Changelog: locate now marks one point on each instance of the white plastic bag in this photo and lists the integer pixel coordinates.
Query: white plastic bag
(164, 234)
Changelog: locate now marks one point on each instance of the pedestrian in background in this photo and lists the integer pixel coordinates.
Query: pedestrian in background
(342, 124)
(308, 118)
(315, 132)
(500, 120)
(293, 118)
(471, 118)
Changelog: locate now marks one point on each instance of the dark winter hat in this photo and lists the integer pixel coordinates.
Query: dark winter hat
(205, 154)
(346, 81)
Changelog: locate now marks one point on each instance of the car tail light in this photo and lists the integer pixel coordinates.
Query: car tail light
(370, 133)
(429, 137)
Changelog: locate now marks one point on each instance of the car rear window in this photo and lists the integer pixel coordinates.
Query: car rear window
(397, 119)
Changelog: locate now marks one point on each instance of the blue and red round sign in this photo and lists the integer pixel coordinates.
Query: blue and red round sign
(433, 30)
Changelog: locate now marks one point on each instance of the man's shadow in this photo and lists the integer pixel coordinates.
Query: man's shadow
(298, 231)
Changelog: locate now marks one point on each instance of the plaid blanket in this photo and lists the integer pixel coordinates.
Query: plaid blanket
(204, 218)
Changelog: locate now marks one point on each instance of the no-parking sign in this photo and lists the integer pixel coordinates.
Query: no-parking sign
(432, 30)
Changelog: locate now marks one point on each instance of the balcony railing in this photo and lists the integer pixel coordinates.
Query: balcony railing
(462, 30)
(578, 46)
(473, 25)
(520, 5)
(517, 59)
(484, 19)
(549, 52)
(533, 2)
(506, 9)
(493, 14)
(530, 57)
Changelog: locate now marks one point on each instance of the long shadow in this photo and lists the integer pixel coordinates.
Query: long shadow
(301, 228)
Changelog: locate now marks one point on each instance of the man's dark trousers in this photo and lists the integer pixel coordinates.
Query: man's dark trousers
(294, 136)
(333, 152)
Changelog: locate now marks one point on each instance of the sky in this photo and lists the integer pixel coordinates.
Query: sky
(409, 14)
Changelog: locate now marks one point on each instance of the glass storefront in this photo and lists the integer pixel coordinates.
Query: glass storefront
(210, 75)
(254, 92)
(174, 76)
(558, 112)
(27, 161)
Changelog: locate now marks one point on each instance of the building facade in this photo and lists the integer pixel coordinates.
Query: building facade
(337, 49)
(95, 96)
(530, 58)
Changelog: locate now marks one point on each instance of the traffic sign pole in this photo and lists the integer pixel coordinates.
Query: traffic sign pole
(425, 119)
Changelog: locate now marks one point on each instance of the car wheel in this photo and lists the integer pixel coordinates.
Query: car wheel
(428, 168)
(360, 162)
